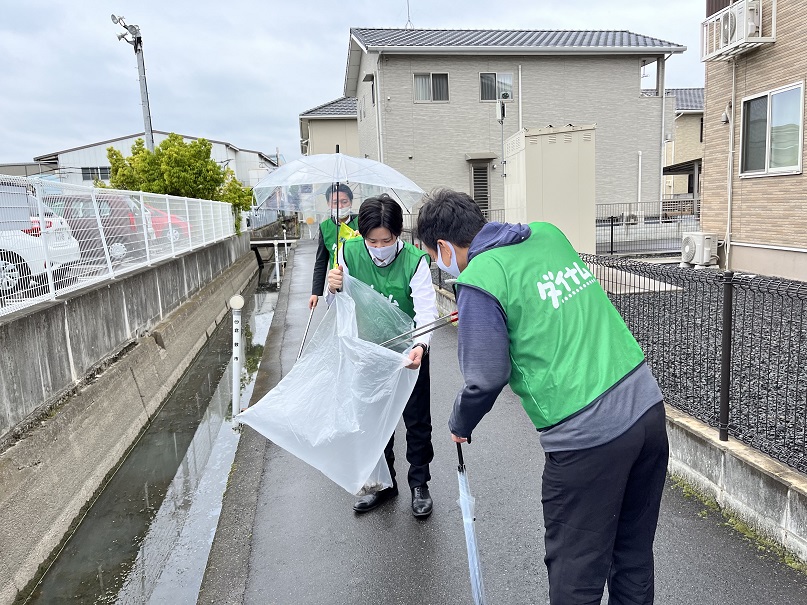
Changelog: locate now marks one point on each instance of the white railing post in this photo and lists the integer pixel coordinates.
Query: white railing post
(170, 224)
(145, 228)
(44, 237)
(101, 231)
(190, 225)
(277, 266)
(201, 221)
(236, 304)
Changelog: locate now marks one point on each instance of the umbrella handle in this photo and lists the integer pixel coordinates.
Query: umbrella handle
(461, 466)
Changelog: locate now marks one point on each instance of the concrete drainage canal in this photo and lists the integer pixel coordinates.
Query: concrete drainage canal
(147, 536)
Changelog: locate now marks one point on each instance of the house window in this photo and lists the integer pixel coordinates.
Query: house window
(772, 132)
(480, 186)
(431, 88)
(495, 86)
(90, 173)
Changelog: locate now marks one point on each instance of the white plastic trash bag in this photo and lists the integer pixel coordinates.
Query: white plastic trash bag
(338, 406)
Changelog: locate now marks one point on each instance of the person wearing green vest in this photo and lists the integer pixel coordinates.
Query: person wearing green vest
(331, 236)
(532, 314)
(400, 272)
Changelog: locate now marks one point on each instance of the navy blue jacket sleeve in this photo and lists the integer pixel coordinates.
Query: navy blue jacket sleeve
(484, 356)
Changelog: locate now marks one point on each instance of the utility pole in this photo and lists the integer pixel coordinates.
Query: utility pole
(137, 43)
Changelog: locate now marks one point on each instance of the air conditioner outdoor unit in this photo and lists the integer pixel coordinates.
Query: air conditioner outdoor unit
(699, 249)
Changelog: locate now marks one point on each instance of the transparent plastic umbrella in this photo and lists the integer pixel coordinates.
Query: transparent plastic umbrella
(300, 185)
(466, 502)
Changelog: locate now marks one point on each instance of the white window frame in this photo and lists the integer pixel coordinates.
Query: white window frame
(431, 86)
(498, 92)
(767, 171)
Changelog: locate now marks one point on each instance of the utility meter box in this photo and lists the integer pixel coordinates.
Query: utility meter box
(550, 178)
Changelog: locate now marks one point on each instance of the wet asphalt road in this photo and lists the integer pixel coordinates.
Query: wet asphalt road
(307, 546)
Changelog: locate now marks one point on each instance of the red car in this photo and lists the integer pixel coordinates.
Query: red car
(172, 228)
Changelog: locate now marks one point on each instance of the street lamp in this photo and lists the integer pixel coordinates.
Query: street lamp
(137, 42)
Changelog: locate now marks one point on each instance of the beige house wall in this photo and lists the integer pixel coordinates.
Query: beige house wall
(769, 210)
(428, 142)
(686, 145)
(367, 108)
(325, 134)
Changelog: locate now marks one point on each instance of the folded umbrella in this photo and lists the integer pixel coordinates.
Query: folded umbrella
(466, 502)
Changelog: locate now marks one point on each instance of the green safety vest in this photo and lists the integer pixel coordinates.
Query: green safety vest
(393, 281)
(346, 231)
(568, 344)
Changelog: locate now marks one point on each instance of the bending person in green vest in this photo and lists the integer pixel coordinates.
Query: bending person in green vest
(532, 314)
(401, 273)
(331, 236)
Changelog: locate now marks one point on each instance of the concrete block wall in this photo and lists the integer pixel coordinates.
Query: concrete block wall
(48, 477)
(47, 352)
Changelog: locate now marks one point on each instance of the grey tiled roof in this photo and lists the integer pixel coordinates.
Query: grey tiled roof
(344, 106)
(687, 99)
(516, 39)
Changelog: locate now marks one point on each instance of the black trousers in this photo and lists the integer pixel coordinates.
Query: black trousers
(417, 418)
(601, 507)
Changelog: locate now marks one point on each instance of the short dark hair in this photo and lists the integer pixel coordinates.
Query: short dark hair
(380, 211)
(449, 215)
(339, 188)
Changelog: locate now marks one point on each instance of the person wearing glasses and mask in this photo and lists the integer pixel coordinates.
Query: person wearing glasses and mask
(332, 235)
(400, 272)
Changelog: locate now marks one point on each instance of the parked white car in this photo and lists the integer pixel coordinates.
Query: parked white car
(26, 245)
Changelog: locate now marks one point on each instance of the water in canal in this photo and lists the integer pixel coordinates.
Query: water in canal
(147, 536)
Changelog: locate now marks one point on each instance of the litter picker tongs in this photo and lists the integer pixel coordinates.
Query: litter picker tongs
(421, 330)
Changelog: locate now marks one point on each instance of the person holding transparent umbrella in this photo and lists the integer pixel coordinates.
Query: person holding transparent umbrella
(532, 314)
(332, 233)
(400, 272)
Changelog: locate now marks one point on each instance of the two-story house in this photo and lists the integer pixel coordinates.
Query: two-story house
(754, 189)
(430, 102)
(328, 125)
(685, 149)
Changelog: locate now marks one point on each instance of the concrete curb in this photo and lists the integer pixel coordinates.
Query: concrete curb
(49, 478)
(227, 571)
(764, 493)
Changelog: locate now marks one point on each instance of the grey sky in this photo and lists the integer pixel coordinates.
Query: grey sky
(243, 70)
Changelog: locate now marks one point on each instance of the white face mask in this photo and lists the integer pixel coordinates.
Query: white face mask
(453, 269)
(343, 212)
(383, 256)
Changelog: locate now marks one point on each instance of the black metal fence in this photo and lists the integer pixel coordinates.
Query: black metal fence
(715, 337)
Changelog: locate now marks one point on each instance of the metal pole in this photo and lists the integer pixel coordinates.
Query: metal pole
(613, 220)
(725, 355)
(137, 43)
(144, 93)
(277, 267)
(236, 304)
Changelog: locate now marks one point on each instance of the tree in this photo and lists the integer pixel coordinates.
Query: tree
(234, 193)
(175, 167)
(178, 168)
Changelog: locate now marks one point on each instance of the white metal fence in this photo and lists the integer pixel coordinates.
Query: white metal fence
(57, 237)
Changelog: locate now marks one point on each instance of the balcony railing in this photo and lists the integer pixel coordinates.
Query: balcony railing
(736, 29)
